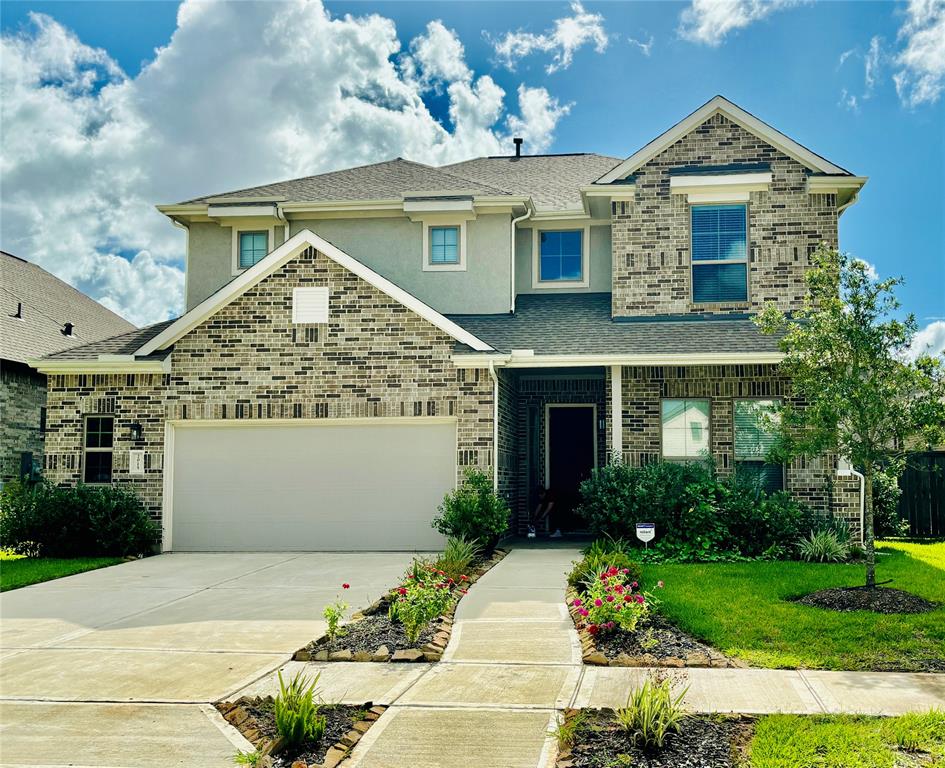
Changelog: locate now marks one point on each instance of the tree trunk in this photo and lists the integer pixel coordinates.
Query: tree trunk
(868, 536)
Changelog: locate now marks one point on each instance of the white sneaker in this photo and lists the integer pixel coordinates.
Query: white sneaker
(556, 534)
(531, 532)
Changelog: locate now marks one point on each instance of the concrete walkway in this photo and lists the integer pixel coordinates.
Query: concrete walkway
(514, 659)
(117, 667)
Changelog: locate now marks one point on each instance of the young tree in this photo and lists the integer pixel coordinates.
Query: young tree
(858, 393)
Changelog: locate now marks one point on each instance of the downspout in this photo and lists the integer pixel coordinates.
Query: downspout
(495, 426)
(528, 212)
(280, 214)
(852, 472)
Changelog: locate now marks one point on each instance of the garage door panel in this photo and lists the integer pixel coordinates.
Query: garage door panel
(311, 487)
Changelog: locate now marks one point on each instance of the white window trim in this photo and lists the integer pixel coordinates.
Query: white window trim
(428, 266)
(297, 294)
(86, 450)
(249, 227)
(585, 280)
(693, 263)
(730, 188)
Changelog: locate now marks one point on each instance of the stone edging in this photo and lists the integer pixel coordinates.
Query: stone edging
(591, 655)
(238, 717)
(431, 652)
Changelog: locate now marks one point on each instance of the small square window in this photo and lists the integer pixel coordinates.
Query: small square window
(561, 256)
(685, 425)
(444, 245)
(253, 247)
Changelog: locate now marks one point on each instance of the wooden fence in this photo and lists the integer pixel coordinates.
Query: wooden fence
(922, 502)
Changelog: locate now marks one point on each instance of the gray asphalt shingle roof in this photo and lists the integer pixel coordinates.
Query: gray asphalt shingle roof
(379, 181)
(580, 324)
(48, 304)
(553, 181)
(123, 344)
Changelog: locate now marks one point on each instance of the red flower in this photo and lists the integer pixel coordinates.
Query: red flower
(618, 588)
(639, 598)
(627, 598)
(346, 586)
(464, 591)
(592, 628)
(402, 591)
(464, 578)
(450, 581)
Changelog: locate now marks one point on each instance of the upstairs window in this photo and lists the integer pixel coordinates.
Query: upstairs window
(685, 426)
(253, 247)
(561, 256)
(719, 253)
(444, 245)
(754, 439)
(99, 434)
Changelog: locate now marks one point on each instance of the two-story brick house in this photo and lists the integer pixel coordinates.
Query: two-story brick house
(354, 341)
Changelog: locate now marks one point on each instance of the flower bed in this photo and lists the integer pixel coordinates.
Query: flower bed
(373, 636)
(345, 725)
(618, 627)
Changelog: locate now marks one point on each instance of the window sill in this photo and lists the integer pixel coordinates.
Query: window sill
(444, 267)
(719, 306)
(552, 284)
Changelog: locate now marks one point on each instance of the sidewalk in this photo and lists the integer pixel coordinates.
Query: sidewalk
(514, 660)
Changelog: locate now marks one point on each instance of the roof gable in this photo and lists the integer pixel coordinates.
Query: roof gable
(737, 115)
(279, 257)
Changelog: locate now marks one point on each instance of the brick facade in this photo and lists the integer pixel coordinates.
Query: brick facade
(651, 265)
(22, 400)
(375, 358)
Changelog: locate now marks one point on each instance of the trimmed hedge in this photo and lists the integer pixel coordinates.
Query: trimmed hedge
(45, 520)
(698, 515)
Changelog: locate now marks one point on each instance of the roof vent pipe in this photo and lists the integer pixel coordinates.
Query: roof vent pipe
(67, 329)
(517, 141)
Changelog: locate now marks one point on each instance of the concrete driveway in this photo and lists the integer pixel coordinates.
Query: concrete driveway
(95, 667)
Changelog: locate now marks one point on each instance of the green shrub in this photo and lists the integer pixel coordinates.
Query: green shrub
(652, 713)
(425, 595)
(886, 493)
(473, 511)
(52, 521)
(296, 711)
(457, 556)
(699, 516)
(594, 563)
(823, 546)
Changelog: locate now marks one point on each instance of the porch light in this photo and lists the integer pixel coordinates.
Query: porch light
(602, 424)
(136, 431)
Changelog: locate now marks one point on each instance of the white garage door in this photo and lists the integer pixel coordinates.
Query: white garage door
(310, 487)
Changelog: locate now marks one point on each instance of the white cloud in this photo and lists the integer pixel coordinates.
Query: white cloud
(844, 56)
(929, 340)
(849, 100)
(871, 64)
(567, 36)
(243, 94)
(437, 56)
(710, 21)
(645, 48)
(921, 74)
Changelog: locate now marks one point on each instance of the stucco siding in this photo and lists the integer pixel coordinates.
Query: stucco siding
(599, 259)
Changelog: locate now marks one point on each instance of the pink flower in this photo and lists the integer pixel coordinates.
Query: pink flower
(583, 611)
(639, 598)
(660, 583)
(576, 602)
(610, 625)
(598, 602)
(464, 591)
(610, 598)
(634, 585)
(346, 586)
(626, 571)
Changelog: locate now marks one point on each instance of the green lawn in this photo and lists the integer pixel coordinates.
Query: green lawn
(744, 610)
(843, 741)
(16, 571)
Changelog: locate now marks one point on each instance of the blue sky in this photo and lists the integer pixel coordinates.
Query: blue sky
(824, 73)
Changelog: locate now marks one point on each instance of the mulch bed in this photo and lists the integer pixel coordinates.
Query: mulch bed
(345, 725)
(704, 742)
(878, 600)
(655, 642)
(372, 636)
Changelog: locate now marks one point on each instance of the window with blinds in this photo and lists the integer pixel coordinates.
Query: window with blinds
(754, 422)
(253, 248)
(719, 253)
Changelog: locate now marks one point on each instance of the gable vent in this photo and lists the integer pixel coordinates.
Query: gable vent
(310, 305)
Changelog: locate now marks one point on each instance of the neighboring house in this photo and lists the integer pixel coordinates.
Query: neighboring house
(354, 341)
(40, 315)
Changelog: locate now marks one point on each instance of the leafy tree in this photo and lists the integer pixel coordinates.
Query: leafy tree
(858, 394)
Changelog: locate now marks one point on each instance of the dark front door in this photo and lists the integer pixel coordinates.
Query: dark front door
(571, 452)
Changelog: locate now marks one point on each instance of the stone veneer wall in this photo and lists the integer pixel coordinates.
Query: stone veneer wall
(22, 398)
(375, 358)
(809, 480)
(651, 264)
